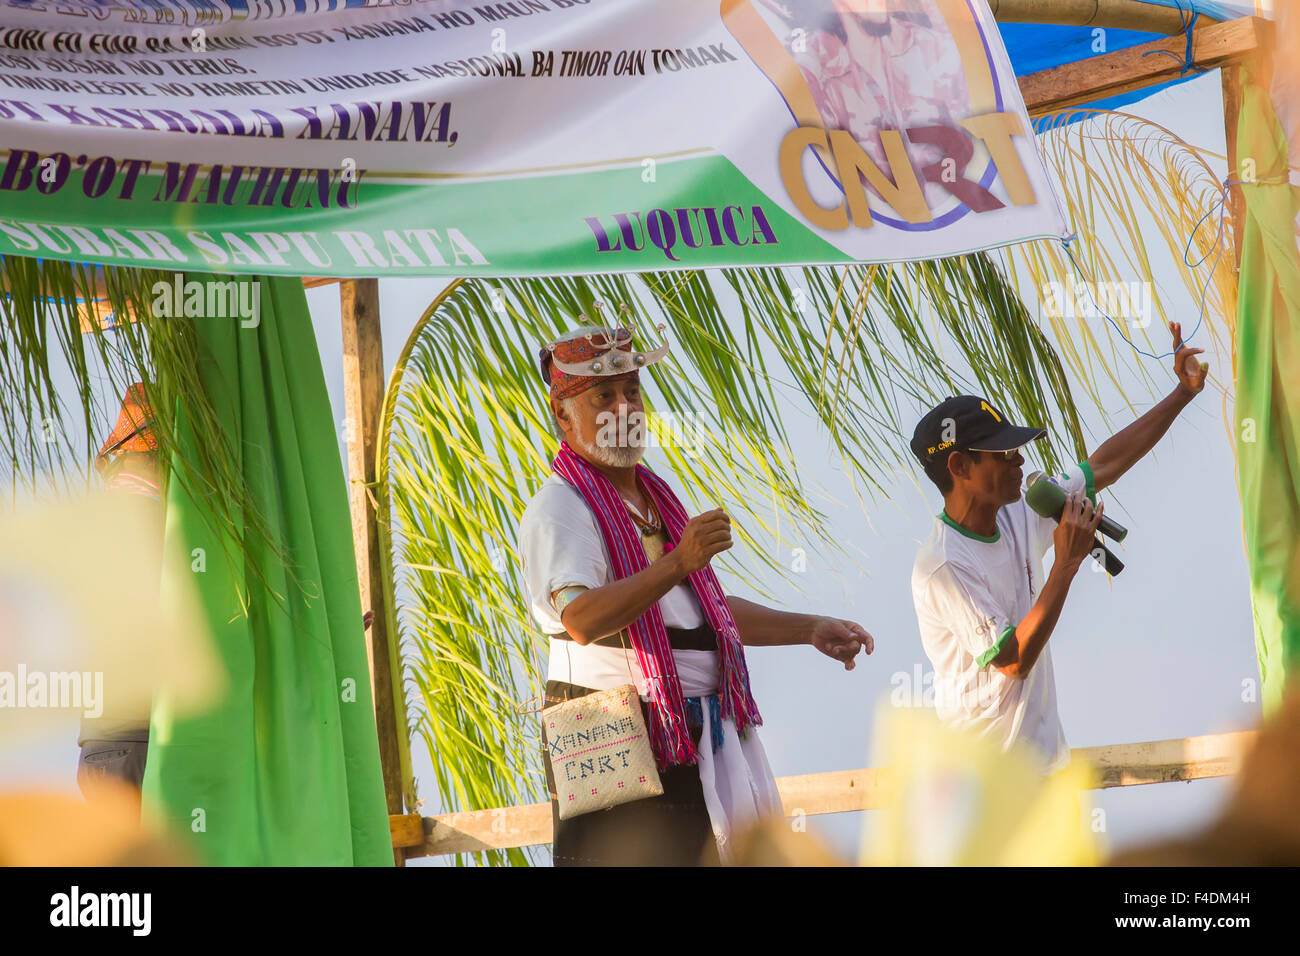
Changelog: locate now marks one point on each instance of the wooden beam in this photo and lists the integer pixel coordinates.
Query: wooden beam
(1167, 761)
(407, 830)
(96, 312)
(843, 791)
(839, 791)
(500, 829)
(363, 394)
(1232, 97)
(1110, 74)
(1236, 199)
(1117, 14)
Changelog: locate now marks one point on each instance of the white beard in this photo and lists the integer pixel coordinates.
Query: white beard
(624, 457)
(616, 456)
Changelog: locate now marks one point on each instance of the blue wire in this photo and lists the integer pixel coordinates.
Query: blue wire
(1223, 209)
(1187, 57)
(1188, 20)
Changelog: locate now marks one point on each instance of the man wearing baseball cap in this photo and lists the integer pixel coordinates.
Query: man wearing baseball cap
(984, 606)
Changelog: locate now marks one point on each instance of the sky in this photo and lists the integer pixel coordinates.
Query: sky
(1163, 651)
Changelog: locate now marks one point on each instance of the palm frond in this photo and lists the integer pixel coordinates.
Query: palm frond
(1140, 197)
(53, 326)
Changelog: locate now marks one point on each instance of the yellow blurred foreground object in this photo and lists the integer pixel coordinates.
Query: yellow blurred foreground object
(957, 800)
(40, 828)
(84, 629)
(1259, 825)
(776, 843)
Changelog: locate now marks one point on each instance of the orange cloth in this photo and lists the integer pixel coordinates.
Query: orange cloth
(574, 351)
(134, 428)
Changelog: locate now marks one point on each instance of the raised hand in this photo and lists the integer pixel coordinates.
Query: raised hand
(1191, 372)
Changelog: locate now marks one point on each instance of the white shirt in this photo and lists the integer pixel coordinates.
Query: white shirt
(970, 593)
(561, 546)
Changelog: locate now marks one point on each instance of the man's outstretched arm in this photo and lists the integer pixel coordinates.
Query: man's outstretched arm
(761, 626)
(1126, 447)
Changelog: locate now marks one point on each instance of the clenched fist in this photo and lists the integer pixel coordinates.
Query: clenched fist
(1076, 530)
(704, 536)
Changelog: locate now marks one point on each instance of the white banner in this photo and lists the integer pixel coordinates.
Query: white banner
(449, 137)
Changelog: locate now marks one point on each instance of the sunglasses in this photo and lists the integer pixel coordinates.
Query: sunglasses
(1009, 455)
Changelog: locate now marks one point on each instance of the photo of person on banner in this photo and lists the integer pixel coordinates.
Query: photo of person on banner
(873, 65)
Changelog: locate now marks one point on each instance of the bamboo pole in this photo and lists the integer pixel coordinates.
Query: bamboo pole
(1116, 14)
(840, 791)
(363, 391)
(1236, 200)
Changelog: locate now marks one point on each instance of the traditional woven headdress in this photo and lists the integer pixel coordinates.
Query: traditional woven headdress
(592, 354)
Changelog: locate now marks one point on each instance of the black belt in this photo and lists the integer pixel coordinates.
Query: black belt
(699, 638)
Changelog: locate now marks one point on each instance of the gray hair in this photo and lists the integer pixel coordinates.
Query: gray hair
(567, 405)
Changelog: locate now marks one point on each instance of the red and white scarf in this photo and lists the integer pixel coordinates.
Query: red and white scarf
(669, 736)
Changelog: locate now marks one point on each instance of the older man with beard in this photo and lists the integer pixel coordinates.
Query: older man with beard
(619, 579)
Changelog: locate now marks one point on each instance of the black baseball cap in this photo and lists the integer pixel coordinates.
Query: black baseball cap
(967, 423)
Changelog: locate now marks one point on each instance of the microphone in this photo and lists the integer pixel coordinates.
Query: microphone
(1047, 498)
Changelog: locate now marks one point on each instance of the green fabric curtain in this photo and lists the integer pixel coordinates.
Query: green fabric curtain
(285, 770)
(1268, 389)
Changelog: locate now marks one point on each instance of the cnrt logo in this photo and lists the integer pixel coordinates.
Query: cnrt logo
(241, 299)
